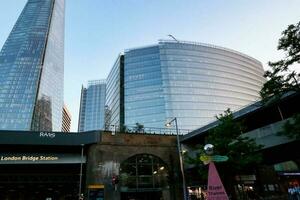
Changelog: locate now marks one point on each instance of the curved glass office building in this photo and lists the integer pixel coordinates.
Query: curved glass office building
(191, 81)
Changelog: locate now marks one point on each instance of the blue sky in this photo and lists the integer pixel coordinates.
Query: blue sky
(98, 30)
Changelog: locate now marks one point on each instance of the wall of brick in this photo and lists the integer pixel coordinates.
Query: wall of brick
(105, 158)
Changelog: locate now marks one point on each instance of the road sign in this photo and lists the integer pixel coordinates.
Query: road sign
(218, 158)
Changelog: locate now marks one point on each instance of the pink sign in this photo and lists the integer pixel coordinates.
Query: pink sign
(215, 188)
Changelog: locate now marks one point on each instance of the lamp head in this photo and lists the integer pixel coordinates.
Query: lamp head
(209, 149)
(168, 124)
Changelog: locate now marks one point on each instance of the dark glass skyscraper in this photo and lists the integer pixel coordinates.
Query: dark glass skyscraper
(32, 69)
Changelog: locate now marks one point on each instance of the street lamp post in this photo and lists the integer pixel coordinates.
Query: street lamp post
(80, 174)
(185, 197)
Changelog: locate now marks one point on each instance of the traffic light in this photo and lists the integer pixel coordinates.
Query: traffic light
(115, 180)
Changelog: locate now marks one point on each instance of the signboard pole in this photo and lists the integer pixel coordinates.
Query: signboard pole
(215, 188)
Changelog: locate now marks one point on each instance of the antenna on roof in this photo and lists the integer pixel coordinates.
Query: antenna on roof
(171, 36)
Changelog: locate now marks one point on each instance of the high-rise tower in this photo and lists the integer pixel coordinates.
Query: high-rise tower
(114, 105)
(66, 120)
(32, 69)
(92, 106)
(191, 81)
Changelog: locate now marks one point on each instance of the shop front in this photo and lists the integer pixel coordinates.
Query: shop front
(39, 165)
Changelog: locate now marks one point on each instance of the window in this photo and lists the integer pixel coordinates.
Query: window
(143, 171)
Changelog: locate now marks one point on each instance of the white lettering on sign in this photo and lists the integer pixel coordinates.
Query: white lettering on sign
(47, 134)
(28, 158)
(10, 158)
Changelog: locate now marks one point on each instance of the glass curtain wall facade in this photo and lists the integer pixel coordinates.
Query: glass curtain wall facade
(114, 105)
(191, 81)
(82, 109)
(92, 106)
(143, 81)
(31, 65)
(66, 120)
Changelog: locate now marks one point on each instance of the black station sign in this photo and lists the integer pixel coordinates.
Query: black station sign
(49, 138)
(41, 158)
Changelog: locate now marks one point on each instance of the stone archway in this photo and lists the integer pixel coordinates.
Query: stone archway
(106, 157)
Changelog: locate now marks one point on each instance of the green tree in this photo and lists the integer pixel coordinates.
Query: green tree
(280, 77)
(291, 128)
(228, 140)
(139, 128)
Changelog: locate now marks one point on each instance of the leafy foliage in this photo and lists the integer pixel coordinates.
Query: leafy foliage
(228, 140)
(291, 128)
(195, 160)
(280, 78)
(139, 128)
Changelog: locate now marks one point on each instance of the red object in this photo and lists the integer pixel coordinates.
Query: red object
(115, 180)
(215, 189)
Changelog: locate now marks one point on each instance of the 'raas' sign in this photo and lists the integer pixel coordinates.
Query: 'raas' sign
(47, 135)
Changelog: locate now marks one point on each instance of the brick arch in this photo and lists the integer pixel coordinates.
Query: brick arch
(142, 153)
(138, 154)
(105, 158)
(143, 165)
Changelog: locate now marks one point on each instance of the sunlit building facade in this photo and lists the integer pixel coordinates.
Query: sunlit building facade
(32, 69)
(191, 81)
(92, 106)
(114, 105)
(66, 120)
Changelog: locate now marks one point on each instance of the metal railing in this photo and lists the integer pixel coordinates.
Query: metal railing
(148, 130)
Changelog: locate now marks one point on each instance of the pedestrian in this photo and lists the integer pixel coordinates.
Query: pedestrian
(81, 197)
(297, 192)
(290, 192)
(251, 194)
(202, 196)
